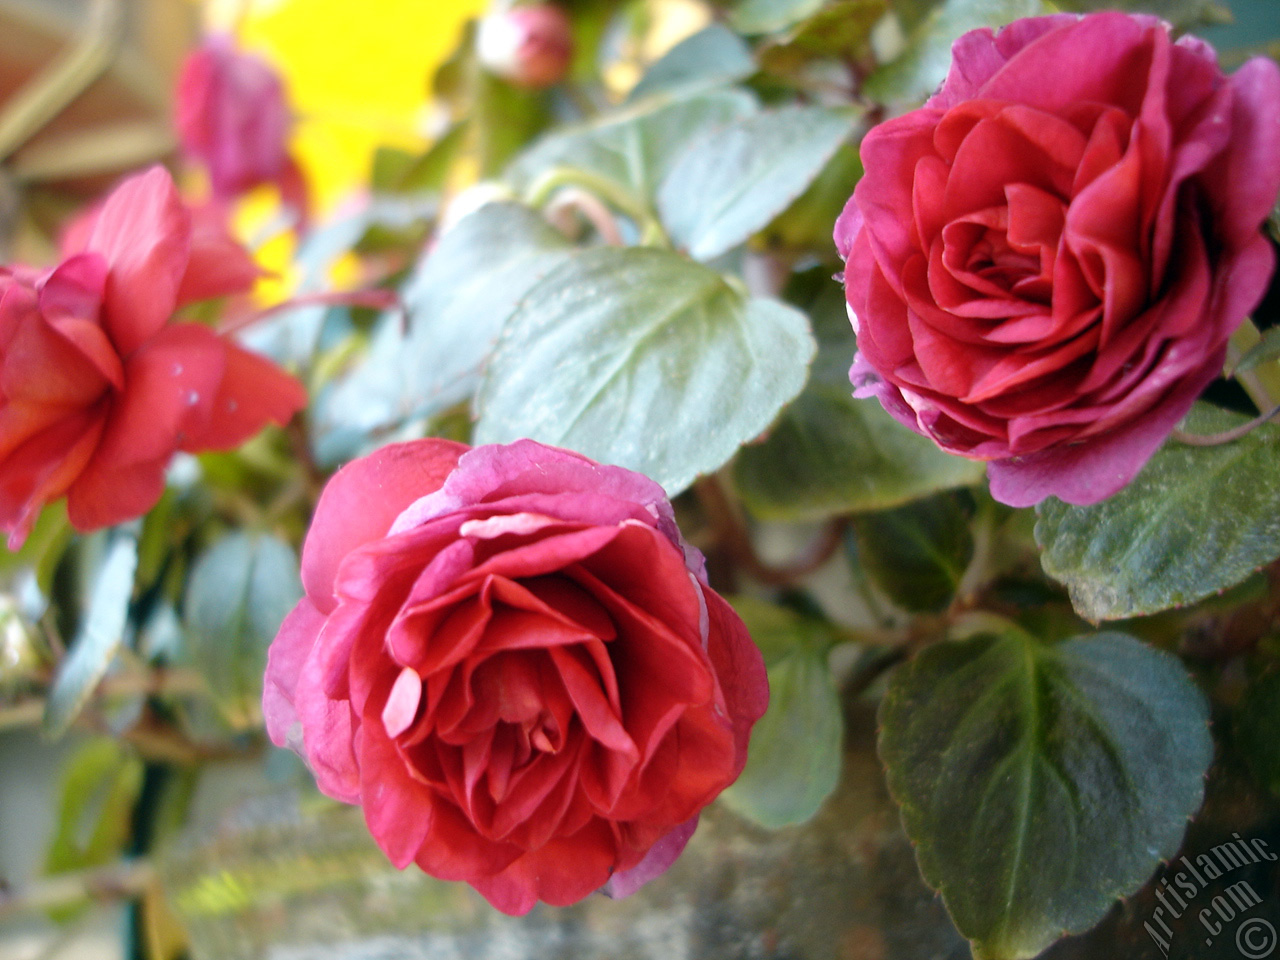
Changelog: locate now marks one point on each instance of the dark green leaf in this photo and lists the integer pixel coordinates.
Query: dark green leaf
(643, 359)
(100, 785)
(731, 182)
(710, 57)
(458, 299)
(1196, 520)
(924, 64)
(241, 589)
(1255, 720)
(917, 553)
(830, 454)
(769, 16)
(1040, 782)
(101, 631)
(796, 747)
(635, 147)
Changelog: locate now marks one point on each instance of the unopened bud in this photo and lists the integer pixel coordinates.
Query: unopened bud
(529, 45)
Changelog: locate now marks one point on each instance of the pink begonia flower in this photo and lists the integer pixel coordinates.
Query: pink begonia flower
(1045, 262)
(233, 119)
(512, 661)
(98, 389)
(530, 45)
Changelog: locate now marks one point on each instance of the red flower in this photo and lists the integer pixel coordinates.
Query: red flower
(512, 661)
(98, 389)
(232, 117)
(1045, 262)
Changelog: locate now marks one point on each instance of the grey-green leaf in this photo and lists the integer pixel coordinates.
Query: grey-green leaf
(733, 180)
(769, 16)
(101, 631)
(1058, 774)
(830, 454)
(458, 299)
(713, 55)
(796, 747)
(240, 591)
(924, 64)
(644, 359)
(634, 147)
(1195, 521)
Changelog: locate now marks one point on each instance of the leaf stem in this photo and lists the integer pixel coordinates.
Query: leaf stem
(540, 192)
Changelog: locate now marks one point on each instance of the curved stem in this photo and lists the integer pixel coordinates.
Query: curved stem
(1225, 436)
(614, 194)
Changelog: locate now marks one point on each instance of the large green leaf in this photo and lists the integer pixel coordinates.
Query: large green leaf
(644, 359)
(458, 299)
(924, 64)
(916, 553)
(101, 630)
(1195, 521)
(733, 180)
(240, 591)
(714, 55)
(1040, 782)
(830, 454)
(796, 747)
(635, 147)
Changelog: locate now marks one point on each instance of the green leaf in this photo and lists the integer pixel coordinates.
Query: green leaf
(924, 64)
(100, 785)
(918, 553)
(507, 118)
(769, 16)
(830, 454)
(643, 359)
(805, 226)
(101, 631)
(1255, 720)
(635, 147)
(1040, 782)
(458, 299)
(735, 179)
(712, 56)
(1264, 351)
(797, 746)
(397, 171)
(1195, 521)
(240, 591)
(840, 29)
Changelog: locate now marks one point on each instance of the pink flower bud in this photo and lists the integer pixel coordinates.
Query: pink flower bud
(232, 119)
(531, 45)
